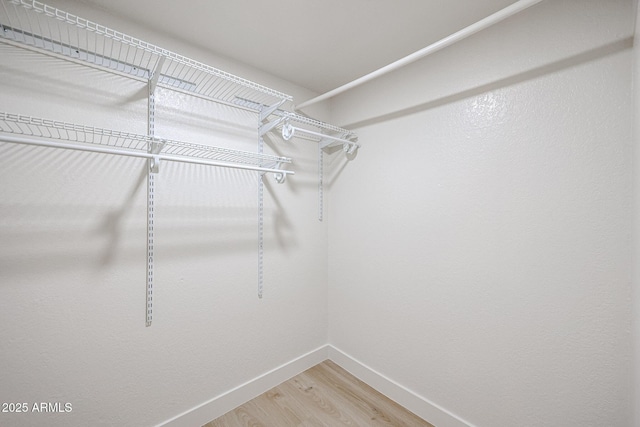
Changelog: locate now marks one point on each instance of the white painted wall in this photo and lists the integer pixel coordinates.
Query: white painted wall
(479, 249)
(72, 252)
(479, 244)
(636, 221)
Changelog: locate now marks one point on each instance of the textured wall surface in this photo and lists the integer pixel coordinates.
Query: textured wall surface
(636, 218)
(73, 262)
(479, 244)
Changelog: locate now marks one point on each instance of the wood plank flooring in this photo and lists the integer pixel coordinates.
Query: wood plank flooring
(325, 395)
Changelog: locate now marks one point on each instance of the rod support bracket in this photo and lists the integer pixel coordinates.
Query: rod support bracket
(350, 148)
(154, 164)
(287, 131)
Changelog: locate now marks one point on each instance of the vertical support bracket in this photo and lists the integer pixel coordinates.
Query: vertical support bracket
(260, 223)
(153, 81)
(263, 127)
(151, 183)
(320, 183)
(260, 235)
(152, 169)
(150, 239)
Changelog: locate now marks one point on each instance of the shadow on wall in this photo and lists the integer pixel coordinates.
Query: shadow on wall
(111, 225)
(67, 82)
(581, 58)
(65, 211)
(203, 118)
(338, 161)
(284, 235)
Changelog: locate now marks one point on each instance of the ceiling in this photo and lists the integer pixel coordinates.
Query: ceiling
(317, 44)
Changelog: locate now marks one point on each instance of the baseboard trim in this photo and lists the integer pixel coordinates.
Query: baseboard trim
(231, 399)
(235, 397)
(422, 407)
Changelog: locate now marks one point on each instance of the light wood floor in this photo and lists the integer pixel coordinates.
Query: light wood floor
(325, 395)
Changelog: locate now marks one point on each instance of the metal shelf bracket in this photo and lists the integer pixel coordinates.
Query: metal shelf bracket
(153, 82)
(156, 148)
(268, 126)
(265, 112)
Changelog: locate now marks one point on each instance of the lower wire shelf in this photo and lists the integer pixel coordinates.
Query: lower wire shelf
(19, 129)
(29, 130)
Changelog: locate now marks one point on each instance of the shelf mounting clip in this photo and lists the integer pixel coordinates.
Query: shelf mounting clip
(156, 148)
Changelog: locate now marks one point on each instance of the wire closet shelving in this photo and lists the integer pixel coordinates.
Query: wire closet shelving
(51, 30)
(35, 26)
(57, 134)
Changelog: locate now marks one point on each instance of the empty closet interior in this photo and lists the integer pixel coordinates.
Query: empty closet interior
(199, 201)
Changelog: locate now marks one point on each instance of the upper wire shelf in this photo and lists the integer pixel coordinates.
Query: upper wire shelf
(45, 28)
(347, 134)
(325, 134)
(338, 136)
(36, 131)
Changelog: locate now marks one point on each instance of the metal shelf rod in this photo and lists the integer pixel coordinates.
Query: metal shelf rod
(321, 135)
(288, 131)
(129, 153)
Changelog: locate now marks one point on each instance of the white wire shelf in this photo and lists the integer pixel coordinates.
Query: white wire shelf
(51, 133)
(323, 126)
(47, 29)
(338, 136)
(312, 130)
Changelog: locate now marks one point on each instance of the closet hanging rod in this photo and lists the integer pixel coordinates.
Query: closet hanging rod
(128, 153)
(490, 20)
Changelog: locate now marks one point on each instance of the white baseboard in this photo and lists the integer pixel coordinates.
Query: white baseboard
(422, 407)
(235, 397)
